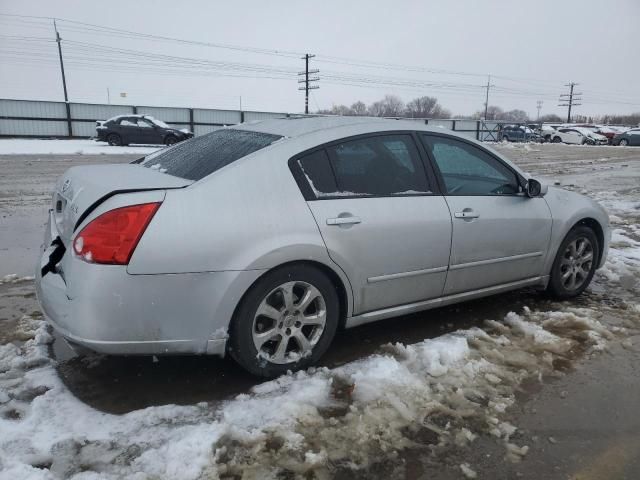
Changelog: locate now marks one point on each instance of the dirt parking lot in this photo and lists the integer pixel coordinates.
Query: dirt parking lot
(548, 391)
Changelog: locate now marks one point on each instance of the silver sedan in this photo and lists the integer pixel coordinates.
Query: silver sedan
(265, 239)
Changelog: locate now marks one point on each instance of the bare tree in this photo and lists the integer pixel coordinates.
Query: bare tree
(337, 110)
(519, 116)
(389, 106)
(359, 108)
(493, 113)
(426, 107)
(551, 117)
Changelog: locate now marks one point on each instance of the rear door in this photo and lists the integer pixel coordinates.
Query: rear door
(499, 234)
(379, 216)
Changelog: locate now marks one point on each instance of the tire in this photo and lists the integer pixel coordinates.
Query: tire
(557, 140)
(580, 243)
(547, 138)
(623, 142)
(114, 140)
(170, 140)
(256, 340)
(505, 138)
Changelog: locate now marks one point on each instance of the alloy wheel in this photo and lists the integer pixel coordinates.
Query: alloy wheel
(576, 263)
(289, 322)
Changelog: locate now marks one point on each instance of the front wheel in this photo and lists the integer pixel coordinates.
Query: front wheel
(170, 140)
(575, 263)
(286, 321)
(623, 142)
(557, 140)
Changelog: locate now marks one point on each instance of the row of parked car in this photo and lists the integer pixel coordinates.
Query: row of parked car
(582, 134)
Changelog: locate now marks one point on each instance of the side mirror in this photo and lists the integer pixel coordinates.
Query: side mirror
(535, 189)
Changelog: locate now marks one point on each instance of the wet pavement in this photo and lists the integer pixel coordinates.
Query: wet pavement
(580, 423)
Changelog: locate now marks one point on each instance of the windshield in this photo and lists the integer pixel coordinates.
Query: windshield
(201, 156)
(157, 122)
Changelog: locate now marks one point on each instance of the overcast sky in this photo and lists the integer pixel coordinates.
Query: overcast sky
(531, 49)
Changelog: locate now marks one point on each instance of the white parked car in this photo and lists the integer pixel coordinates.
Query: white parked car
(547, 132)
(579, 136)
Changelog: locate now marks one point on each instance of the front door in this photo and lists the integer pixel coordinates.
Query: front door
(499, 234)
(147, 132)
(379, 220)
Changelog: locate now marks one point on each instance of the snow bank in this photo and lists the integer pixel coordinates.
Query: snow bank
(24, 146)
(446, 390)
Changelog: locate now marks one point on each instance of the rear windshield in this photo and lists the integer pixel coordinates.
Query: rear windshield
(201, 156)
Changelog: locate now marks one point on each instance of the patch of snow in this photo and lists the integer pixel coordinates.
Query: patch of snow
(435, 384)
(14, 278)
(467, 471)
(28, 146)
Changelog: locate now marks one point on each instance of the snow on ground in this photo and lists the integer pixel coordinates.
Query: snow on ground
(429, 396)
(447, 390)
(27, 146)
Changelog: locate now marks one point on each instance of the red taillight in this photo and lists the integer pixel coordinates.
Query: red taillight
(113, 236)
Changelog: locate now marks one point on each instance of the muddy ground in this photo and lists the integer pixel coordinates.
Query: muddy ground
(580, 422)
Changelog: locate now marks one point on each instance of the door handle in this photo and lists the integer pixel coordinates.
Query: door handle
(351, 220)
(466, 213)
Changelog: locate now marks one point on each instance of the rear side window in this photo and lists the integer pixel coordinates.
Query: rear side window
(201, 156)
(317, 170)
(378, 166)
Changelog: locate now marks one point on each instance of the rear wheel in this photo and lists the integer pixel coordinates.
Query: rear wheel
(286, 321)
(624, 142)
(575, 263)
(557, 140)
(505, 138)
(114, 139)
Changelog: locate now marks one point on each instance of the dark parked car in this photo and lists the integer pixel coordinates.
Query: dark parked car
(518, 133)
(126, 129)
(630, 137)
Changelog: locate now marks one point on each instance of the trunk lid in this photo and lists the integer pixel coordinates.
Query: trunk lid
(83, 188)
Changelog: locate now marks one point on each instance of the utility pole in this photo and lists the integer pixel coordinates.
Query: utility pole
(64, 79)
(486, 100)
(307, 80)
(539, 107)
(569, 99)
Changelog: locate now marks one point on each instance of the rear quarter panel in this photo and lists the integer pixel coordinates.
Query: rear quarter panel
(249, 215)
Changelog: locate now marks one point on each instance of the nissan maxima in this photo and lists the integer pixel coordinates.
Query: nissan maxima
(264, 240)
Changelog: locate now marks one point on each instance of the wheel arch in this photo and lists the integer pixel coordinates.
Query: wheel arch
(342, 288)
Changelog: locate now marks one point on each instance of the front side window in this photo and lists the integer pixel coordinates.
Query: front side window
(469, 170)
(378, 166)
(159, 123)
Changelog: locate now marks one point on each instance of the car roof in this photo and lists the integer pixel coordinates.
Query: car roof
(296, 126)
(131, 115)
